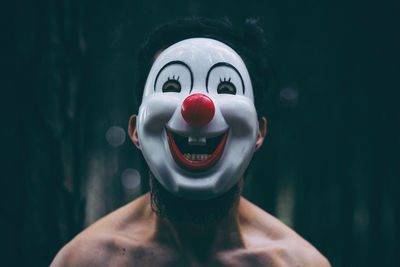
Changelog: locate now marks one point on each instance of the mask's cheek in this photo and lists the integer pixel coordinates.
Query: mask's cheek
(155, 111)
(240, 114)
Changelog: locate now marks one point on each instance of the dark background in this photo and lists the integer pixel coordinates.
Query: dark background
(329, 167)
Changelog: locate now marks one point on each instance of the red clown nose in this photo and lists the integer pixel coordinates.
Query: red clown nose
(198, 110)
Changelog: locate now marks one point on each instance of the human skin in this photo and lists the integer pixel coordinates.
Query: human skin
(135, 236)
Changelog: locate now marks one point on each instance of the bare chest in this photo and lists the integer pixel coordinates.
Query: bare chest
(153, 255)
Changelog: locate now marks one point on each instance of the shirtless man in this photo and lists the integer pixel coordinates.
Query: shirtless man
(197, 128)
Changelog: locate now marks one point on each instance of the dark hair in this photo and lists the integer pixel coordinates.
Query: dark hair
(248, 41)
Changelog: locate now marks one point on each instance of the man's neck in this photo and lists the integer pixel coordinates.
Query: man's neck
(199, 241)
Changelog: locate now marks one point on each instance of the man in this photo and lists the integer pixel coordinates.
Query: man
(197, 128)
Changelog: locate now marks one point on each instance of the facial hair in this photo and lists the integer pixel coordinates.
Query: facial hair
(202, 212)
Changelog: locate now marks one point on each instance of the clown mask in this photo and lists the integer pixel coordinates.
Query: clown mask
(197, 125)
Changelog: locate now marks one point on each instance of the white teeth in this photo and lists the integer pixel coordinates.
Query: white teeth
(197, 141)
(196, 157)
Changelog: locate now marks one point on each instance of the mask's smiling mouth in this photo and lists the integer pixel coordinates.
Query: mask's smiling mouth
(196, 154)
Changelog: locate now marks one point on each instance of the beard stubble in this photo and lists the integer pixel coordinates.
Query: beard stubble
(202, 212)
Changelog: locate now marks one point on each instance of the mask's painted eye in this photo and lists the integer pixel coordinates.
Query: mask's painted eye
(226, 87)
(172, 85)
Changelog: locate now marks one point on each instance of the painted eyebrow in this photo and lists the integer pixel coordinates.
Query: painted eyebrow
(225, 64)
(177, 62)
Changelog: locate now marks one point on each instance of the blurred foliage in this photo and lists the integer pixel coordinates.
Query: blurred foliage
(330, 165)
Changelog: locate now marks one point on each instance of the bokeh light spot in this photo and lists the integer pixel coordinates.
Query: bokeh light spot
(130, 179)
(289, 95)
(115, 136)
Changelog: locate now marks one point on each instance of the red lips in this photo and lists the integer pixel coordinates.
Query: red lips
(195, 166)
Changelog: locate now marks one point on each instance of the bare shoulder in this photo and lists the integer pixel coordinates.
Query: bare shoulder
(270, 239)
(106, 241)
(84, 250)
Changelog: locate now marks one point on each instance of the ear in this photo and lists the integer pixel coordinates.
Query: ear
(262, 132)
(133, 132)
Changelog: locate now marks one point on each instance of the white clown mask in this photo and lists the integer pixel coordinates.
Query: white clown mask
(197, 124)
